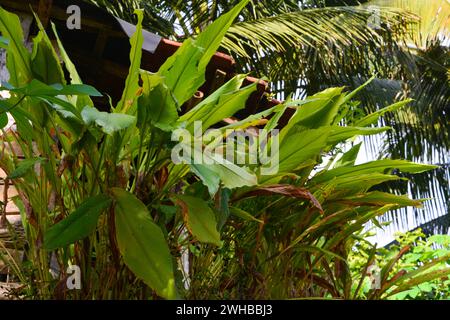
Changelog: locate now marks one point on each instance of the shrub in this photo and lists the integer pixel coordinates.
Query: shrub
(99, 190)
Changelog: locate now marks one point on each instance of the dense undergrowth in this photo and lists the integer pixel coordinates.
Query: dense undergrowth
(99, 190)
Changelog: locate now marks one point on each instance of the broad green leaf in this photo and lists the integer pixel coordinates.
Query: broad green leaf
(231, 175)
(22, 117)
(207, 165)
(441, 239)
(65, 108)
(426, 287)
(221, 104)
(5, 105)
(181, 74)
(252, 119)
(45, 62)
(78, 225)
(349, 157)
(142, 244)
(22, 120)
(3, 120)
(340, 134)
(377, 198)
(378, 166)
(69, 65)
(243, 215)
(401, 295)
(168, 211)
(152, 104)
(373, 117)
(24, 167)
(38, 88)
(209, 177)
(301, 146)
(47, 68)
(211, 38)
(129, 95)
(76, 89)
(46, 65)
(199, 219)
(109, 122)
(18, 59)
(184, 71)
(346, 185)
(320, 110)
(71, 120)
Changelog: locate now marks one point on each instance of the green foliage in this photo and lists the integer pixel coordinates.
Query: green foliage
(24, 167)
(78, 225)
(19, 59)
(306, 46)
(109, 122)
(246, 235)
(199, 219)
(185, 70)
(221, 104)
(39, 89)
(3, 120)
(142, 244)
(413, 267)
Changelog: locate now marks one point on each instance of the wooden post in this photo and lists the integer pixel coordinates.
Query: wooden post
(196, 98)
(219, 80)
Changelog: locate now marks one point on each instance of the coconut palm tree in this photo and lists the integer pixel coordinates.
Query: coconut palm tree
(421, 131)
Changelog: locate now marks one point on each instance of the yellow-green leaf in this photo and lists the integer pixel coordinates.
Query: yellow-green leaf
(142, 244)
(199, 219)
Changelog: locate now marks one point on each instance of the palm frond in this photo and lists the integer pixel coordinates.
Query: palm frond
(318, 42)
(434, 19)
(319, 27)
(158, 17)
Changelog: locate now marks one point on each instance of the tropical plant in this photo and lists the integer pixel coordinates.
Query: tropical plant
(99, 190)
(407, 263)
(309, 45)
(288, 41)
